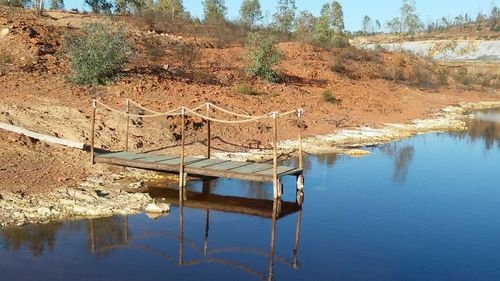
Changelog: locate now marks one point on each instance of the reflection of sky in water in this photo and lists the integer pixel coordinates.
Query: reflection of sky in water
(425, 208)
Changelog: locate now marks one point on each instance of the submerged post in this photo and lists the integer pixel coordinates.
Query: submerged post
(209, 137)
(92, 136)
(127, 109)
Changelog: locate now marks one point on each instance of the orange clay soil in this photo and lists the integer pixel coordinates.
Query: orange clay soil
(36, 94)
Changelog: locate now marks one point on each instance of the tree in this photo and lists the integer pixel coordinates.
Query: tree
(175, 8)
(304, 26)
(214, 12)
(367, 24)
(38, 6)
(378, 26)
(99, 6)
(262, 55)
(329, 27)
(337, 18)
(250, 13)
(394, 26)
(57, 4)
(409, 18)
(129, 6)
(284, 18)
(323, 32)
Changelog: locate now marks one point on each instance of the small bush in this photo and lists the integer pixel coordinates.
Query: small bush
(246, 89)
(442, 77)
(154, 48)
(420, 77)
(6, 60)
(262, 55)
(97, 54)
(187, 56)
(398, 75)
(328, 96)
(339, 67)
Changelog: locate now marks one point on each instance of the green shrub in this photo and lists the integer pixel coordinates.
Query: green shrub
(262, 55)
(97, 54)
(246, 89)
(328, 96)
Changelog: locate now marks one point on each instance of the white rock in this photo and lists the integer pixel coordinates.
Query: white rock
(158, 208)
(4, 32)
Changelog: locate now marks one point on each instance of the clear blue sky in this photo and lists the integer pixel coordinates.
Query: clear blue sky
(354, 10)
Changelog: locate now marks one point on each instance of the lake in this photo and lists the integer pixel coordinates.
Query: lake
(425, 208)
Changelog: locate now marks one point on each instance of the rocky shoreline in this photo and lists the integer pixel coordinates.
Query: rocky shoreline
(108, 194)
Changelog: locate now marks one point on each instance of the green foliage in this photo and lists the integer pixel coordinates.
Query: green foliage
(214, 12)
(410, 20)
(304, 28)
(97, 54)
(328, 96)
(250, 13)
(329, 30)
(245, 89)
(262, 55)
(174, 8)
(284, 18)
(57, 4)
(129, 6)
(99, 6)
(394, 26)
(15, 3)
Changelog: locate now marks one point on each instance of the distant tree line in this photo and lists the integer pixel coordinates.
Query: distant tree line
(409, 22)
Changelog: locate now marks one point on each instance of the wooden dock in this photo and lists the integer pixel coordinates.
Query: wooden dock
(203, 166)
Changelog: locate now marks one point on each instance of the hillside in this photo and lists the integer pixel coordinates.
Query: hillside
(370, 88)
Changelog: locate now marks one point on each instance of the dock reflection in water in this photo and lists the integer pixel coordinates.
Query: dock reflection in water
(109, 234)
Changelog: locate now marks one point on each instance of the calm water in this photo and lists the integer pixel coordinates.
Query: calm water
(427, 208)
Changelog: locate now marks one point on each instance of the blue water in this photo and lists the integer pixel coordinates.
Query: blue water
(426, 208)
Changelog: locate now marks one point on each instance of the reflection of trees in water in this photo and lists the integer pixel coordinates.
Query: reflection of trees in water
(403, 155)
(38, 238)
(325, 159)
(34, 237)
(107, 232)
(481, 130)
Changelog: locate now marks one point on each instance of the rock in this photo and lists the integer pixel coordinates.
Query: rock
(158, 208)
(356, 152)
(136, 185)
(4, 32)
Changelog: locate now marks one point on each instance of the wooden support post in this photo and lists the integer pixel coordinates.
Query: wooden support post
(273, 238)
(207, 226)
(209, 137)
(92, 136)
(181, 165)
(299, 124)
(92, 236)
(276, 181)
(297, 238)
(181, 235)
(127, 104)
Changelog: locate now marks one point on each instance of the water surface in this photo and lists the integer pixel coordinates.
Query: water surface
(426, 208)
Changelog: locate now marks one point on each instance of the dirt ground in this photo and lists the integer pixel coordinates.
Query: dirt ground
(36, 94)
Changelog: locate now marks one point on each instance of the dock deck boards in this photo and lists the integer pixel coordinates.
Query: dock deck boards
(196, 166)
